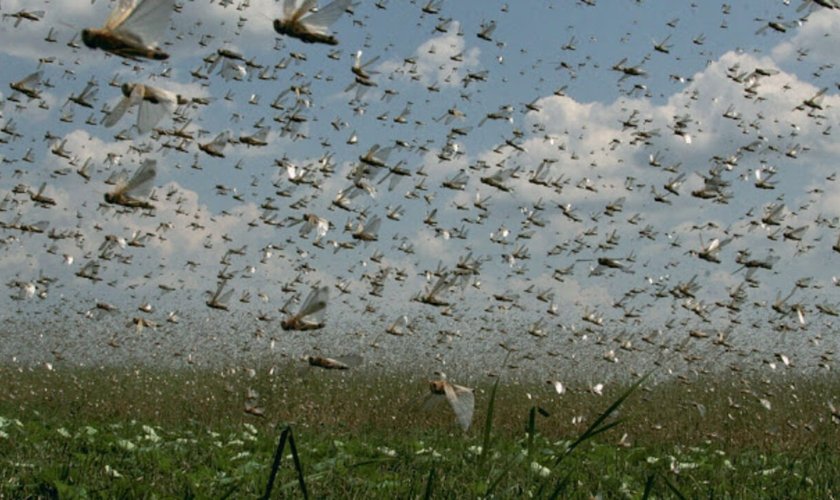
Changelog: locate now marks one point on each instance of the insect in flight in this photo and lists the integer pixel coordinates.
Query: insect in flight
(132, 29)
(460, 398)
(128, 193)
(28, 86)
(300, 22)
(341, 363)
(154, 104)
(310, 316)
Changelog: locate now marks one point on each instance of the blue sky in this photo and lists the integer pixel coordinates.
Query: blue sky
(536, 49)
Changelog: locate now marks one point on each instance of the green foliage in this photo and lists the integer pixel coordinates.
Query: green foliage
(354, 446)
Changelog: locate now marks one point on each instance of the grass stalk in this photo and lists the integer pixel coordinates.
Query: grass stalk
(285, 435)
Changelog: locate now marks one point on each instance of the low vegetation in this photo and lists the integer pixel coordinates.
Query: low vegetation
(75, 432)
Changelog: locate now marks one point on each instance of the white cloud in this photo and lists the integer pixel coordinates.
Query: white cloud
(442, 60)
(813, 39)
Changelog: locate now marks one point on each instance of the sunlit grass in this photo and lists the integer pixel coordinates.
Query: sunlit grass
(110, 432)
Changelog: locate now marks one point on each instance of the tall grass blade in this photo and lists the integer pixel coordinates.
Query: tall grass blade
(285, 435)
(596, 427)
(672, 487)
(430, 483)
(229, 493)
(278, 456)
(560, 487)
(188, 492)
(298, 466)
(648, 487)
(488, 420)
(532, 429)
(599, 430)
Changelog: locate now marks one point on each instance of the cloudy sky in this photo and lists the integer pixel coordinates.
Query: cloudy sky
(584, 111)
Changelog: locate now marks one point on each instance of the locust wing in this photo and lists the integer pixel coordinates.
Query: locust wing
(319, 21)
(120, 14)
(134, 98)
(315, 304)
(151, 113)
(462, 401)
(141, 20)
(140, 185)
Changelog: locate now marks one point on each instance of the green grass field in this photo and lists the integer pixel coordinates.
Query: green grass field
(77, 433)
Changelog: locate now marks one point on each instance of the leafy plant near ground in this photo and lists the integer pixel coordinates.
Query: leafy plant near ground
(107, 433)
